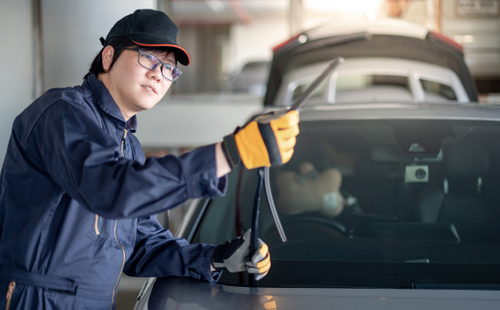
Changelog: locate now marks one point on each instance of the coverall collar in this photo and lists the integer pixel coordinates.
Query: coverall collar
(106, 102)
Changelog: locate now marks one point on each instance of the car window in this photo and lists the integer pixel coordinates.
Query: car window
(372, 88)
(437, 90)
(361, 81)
(383, 203)
(318, 92)
(255, 65)
(360, 87)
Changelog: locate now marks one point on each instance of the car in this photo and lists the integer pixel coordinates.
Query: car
(387, 60)
(251, 79)
(383, 205)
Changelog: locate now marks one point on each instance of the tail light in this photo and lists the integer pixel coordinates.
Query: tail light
(293, 41)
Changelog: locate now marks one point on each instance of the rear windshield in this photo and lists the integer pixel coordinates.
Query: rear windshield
(383, 203)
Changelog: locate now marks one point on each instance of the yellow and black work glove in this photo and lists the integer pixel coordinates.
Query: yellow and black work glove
(235, 256)
(265, 141)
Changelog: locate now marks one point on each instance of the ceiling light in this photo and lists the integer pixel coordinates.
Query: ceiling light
(370, 15)
(216, 5)
(343, 6)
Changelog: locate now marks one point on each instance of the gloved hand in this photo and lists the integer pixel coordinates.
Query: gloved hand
(234, 256)
(266, 140)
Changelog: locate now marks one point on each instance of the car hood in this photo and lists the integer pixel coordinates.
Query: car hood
(187, 293)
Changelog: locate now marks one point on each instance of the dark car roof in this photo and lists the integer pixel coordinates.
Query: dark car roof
(431, 50)
(400, 111)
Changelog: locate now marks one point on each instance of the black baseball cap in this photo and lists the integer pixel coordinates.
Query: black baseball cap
(148, 27)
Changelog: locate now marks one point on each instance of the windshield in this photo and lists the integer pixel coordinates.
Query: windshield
(385, 203)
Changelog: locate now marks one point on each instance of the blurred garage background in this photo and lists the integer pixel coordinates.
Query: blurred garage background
(51, 43)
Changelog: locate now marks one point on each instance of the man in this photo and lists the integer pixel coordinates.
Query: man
(78, 200)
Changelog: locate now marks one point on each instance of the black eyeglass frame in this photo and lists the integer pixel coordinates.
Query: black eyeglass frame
(159, 62)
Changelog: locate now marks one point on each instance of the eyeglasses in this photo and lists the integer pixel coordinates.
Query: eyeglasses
(150, 61)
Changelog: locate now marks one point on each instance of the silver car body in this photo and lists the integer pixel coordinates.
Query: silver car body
(241, 298)
(178, 293)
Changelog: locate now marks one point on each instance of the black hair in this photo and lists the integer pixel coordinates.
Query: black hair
(120, 44)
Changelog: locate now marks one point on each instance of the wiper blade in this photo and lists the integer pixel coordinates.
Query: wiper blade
(272, 206)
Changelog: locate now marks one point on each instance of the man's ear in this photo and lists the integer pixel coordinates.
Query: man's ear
(107, 57)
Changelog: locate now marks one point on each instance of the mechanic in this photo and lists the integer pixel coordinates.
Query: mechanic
(78, 199)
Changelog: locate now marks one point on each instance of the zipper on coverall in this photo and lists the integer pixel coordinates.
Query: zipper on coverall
(116, 237)
(97, 216)
(95, 225)
(12, 285)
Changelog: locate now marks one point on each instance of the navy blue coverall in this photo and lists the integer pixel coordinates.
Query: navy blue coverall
(78, 204)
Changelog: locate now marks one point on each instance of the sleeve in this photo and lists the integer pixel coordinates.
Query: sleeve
(85, 161)
(158, 254)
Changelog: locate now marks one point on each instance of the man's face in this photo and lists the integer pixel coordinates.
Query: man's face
(133, 87)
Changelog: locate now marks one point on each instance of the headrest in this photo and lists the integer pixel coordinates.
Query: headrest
(309, 190)
(466, 159)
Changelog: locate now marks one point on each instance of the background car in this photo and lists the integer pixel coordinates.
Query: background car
(387, 60)
(251, 79)
(385, 206)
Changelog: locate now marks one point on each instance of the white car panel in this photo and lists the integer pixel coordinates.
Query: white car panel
(413, 70)
(382, 26)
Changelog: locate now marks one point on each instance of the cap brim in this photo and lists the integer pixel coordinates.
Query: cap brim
(181, 56)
